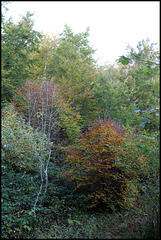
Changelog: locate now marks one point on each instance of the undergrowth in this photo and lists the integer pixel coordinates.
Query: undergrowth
(60, 215)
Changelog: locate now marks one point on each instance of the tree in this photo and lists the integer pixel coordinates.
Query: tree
(143, 82)
(73, 68)
(112, 94)
(18, 41)
(43, 58)
(28, 101)
(80, 43)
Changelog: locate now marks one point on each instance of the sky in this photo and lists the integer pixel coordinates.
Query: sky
(113, 24)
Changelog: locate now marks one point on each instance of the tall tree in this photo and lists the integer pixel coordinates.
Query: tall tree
(142, 68)
(18, 41)
(112, 95)
(43, 59)
(74, 69)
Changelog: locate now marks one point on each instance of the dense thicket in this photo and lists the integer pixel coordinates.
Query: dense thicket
(70, 124)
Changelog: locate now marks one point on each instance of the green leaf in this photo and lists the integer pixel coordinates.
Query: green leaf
(135, 56)
(70, 221)
(135, 121)
(140, 73)
(146, 68)
(25, 226)
(124, 60)
(76, 221)
(147, 74)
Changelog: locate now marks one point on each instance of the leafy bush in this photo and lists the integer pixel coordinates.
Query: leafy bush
(18, 193)
(145, 148)
(92, 167)
(21, 145)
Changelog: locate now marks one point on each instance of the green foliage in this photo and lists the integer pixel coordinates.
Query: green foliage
(56, 219)
(142, 146)
(18, 41)
(18, 191)
(79, 42)
(143, 83)
(72, 55)
(43, 58)
(108, 167)
(20, 143)
(70, 123)
(73, 69)
(124, 60)
(112, 96)
(139, 156)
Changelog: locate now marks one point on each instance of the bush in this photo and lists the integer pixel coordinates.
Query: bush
(21, 145)
(18, 193)
(144, 147)
(92, 167)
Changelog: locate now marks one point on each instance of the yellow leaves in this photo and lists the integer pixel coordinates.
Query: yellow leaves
(142, 162)
(92, 164)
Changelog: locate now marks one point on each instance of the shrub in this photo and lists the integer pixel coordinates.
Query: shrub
(91, 165)
(21, 145)
(144, 147)
(18, 193)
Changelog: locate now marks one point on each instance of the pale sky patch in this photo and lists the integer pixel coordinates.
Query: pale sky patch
(113, 24)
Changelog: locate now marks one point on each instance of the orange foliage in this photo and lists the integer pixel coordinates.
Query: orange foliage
(92, 166)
